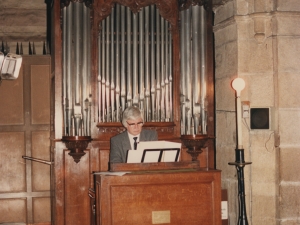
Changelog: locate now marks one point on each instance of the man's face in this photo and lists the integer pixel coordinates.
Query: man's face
(134, 127)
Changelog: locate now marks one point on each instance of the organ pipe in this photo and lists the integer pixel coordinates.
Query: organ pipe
(135, 67)
(76, 70)
(193, 70)
(143, 55)
(145, 71)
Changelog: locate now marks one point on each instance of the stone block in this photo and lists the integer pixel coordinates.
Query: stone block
(263, 209)
(288, 83)
(28, 4)
(226, 128)
(255, 58)
(28, 17)
(287, 25)
(260, 93)
(288, 54)
(244, 28)
(30, 24)
(242, 7)
(263, 220)
(226, 61)
(289, 129)
(223, 158)
(262, 140)
(264, 166)
(290, 201)
(223, 12)
(267, 188)
(225, 95)
(289, 164)
(290, 221)
(225, 34)
(288, 5)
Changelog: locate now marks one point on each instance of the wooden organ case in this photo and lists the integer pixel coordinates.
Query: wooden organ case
(95, 60)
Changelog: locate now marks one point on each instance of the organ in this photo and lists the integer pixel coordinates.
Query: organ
(107, 55)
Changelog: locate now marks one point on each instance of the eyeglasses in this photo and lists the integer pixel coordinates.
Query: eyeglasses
(135, 124)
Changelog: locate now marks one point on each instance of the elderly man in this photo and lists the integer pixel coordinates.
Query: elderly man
(132, 120)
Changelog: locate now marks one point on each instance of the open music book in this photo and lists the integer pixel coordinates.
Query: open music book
(154, 151)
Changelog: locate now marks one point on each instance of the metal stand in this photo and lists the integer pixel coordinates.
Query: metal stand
(240, 164)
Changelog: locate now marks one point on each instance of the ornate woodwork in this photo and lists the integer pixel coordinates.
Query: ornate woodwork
(70, 180)
(76, 145)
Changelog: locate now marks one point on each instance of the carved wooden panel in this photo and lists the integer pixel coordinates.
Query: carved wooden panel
(11, 101)
(159, 198)
(40, 94)
(76, 180)
(25, 130)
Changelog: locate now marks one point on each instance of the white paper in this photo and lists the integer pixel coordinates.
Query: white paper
(157, 144)
(151, 156)
(135, 156)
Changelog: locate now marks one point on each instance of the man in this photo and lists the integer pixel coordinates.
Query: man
(132, 120)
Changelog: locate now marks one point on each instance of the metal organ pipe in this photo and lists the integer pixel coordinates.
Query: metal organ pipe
(129, 59)
(141, 62)
(188, 77)
(203, 73)
(112, 73)
(123, 65)
(162, 68)
(147, 112)
(134, 67)
(152, 59)
(107, 70)
(102, 68)
(135, 60)
(100, 74)
(76, 70)
(86, 113)
(117, 114)
(193, 70)
(143, 49)
(195, 48)
(64, 61)
(77, 18)
(183, 40)
(158, 71)
(170, 73)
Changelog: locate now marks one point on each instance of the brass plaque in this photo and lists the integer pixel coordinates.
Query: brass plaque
(159, 217)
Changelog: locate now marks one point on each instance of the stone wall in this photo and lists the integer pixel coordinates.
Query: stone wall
(23, 22)
(259, 41)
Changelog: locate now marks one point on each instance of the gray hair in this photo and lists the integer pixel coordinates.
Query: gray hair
(131, 113)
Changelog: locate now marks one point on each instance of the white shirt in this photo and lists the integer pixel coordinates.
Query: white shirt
(132, 140)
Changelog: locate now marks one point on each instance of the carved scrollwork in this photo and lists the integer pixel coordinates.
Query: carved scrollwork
(167, 8)
(65, 3)
(111, 130)
(195, 144)
(76, 145)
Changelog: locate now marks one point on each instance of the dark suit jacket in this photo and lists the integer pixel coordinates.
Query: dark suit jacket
(120, 144)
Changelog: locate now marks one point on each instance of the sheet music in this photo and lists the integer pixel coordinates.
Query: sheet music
(135, 156)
